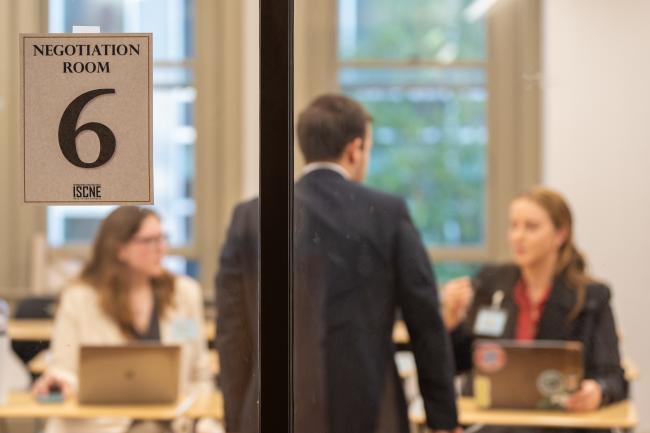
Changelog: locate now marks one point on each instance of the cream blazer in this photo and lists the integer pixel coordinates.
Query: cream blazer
(80, 320)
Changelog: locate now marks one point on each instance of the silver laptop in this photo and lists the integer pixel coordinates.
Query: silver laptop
(130, 374)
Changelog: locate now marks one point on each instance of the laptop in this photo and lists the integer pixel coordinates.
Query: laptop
(130, 374)
(511, 374)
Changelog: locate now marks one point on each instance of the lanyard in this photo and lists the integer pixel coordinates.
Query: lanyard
(497, 299)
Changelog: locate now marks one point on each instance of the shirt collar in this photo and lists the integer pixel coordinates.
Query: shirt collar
(325, 165)
(522, 299)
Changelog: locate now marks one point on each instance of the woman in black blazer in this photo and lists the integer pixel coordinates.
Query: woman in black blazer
(545, 295)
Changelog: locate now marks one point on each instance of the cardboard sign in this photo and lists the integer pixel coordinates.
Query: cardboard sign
(87, 118)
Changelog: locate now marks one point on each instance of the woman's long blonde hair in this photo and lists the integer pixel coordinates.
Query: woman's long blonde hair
(571, 265)
(110, 276)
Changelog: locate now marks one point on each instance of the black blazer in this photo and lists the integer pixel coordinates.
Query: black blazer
(594, 326)
(357, 259)
(237, 319)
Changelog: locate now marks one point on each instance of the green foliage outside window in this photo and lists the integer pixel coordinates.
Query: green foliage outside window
(429, 126)
(411, 29)
(446, 271)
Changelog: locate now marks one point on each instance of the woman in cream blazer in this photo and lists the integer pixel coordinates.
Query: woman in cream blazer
(124, 295)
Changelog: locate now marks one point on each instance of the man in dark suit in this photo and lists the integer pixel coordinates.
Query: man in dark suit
(357, 260)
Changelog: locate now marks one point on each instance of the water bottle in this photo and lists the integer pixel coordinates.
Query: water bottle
(4, 352)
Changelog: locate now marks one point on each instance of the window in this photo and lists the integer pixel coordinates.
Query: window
(420, 69)
(172, 23)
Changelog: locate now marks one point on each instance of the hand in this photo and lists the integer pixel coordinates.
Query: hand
(457, 296)
(48, 380)
(587, 398)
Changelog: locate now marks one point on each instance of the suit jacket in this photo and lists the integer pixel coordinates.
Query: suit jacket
(80, 320)
(357, 259)
(594, 327)
(237, 319)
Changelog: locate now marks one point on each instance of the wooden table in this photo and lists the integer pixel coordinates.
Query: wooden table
(400, 333)
(620, 415)
(41, 330)
(30, 329)
(210, 329)
(23, 405)
(38, 364)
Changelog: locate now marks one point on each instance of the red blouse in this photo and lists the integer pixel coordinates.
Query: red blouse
(528, 314)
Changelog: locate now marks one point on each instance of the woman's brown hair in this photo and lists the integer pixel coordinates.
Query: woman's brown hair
(110, 276)
(571, 265)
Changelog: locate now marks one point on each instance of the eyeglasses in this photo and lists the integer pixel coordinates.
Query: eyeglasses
(152, 241)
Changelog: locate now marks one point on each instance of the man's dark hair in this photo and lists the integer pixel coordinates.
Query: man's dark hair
(328, 124)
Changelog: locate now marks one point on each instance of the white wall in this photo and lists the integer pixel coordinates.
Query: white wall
(597, 151)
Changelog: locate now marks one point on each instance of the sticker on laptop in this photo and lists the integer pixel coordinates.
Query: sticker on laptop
(554, 387)
(489, 358)
(482, 391)
(184, 330)
(550, 382)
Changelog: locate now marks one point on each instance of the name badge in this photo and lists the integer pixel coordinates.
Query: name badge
(184, 329)
(490, 322)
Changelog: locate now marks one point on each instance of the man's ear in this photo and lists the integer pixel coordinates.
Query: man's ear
(353, 150)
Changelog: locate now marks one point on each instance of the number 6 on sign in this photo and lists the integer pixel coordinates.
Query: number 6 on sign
(68, 131)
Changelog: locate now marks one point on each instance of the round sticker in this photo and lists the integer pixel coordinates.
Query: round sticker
(489, 358)
(550, 382)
